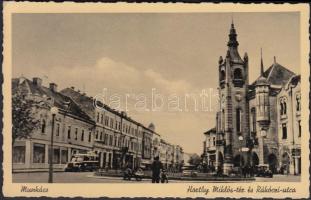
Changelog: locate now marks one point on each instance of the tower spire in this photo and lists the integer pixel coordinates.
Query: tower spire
(232, 37)
(261, 63)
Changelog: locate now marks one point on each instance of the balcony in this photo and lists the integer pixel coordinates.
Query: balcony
(238, 82)
(211, 148)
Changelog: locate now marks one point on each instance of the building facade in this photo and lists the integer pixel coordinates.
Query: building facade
(257, 123)
(73, 133)
(82, 125)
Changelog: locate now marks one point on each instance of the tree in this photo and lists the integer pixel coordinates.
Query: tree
(194, 159)
(24, 121)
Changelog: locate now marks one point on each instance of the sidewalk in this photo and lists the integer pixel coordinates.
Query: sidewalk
(37, 170)
(177, 176)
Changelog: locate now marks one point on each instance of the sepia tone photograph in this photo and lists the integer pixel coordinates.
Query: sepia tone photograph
(158, 99)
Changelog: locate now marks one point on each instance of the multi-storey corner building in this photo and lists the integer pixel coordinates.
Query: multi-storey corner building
(82, 125)
(257, 123)
(74, 130)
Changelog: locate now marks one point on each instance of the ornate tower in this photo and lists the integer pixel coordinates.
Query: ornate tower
(262, 110)
(233, 84)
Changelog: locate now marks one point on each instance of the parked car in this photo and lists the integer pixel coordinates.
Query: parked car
(263, 171)
(189, 170)
(83, 162)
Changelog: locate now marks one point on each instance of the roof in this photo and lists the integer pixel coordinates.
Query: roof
(235, 56)
(212, 130)
(276, 74)
(61, 101)
(85, 102)
(262, 81)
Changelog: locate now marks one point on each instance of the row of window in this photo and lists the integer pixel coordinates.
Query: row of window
(253, 123)
(108, 121)
(114, 124)
(117, 141)
(284, 130)
(283, 106)
(237, 74)
(60, 155)
(82, 137)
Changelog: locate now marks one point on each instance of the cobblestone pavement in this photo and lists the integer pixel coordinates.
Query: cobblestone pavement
(88, 177)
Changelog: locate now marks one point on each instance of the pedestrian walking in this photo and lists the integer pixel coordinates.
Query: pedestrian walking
(156, 168)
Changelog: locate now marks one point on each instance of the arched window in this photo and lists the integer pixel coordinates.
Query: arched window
(90, 136)
(223, 120)
(237, 73)
(238, 120)
(222, 75)
(43, 125)
(284, 131)
(253, 118)
(281, 107)
(57, 129)
(284, 107)
(82, 135)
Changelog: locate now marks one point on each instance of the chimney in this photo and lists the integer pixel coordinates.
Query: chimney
(53, 87)
(37, 81)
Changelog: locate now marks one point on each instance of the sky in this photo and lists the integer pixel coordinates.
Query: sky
(152, 59)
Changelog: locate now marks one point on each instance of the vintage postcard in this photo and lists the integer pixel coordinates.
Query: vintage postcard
(156, 100)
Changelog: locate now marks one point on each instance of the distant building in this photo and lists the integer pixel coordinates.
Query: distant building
(147, 156)
(178, 157)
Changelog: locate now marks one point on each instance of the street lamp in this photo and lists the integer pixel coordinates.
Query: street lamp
(54, 110)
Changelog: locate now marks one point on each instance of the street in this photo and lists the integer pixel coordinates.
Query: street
(88, 177)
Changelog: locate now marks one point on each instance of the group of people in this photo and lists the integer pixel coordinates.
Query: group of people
(158, 172)
(248, 171)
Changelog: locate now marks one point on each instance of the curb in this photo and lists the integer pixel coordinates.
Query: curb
(184, 178)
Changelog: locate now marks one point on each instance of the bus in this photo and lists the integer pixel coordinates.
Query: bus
(83, 162)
